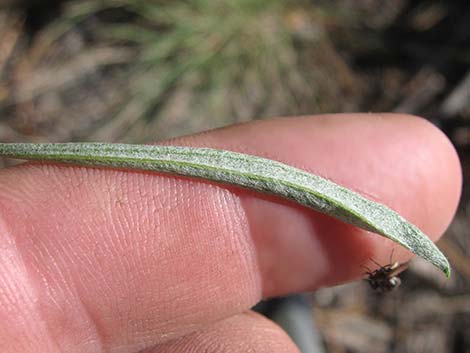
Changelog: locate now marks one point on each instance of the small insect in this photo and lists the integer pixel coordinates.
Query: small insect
(384, 279)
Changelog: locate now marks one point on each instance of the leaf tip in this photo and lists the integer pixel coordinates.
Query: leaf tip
(443, 264)
(447, 270)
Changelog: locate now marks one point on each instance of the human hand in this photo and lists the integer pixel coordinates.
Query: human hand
(123, 261)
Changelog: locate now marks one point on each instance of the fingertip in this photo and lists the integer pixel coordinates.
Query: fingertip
(444, 179)
(402, 161)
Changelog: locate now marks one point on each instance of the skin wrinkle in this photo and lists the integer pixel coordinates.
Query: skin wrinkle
(260, 335)
(96, 342)
(241, 221)
(243, 244)
(67, 292)
(123, 221)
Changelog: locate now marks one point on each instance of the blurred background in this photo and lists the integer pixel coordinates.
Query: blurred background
(142, 70)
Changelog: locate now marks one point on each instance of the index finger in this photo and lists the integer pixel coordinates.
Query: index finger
(130, 259)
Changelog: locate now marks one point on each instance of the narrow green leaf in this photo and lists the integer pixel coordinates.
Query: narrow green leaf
(251, 172)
